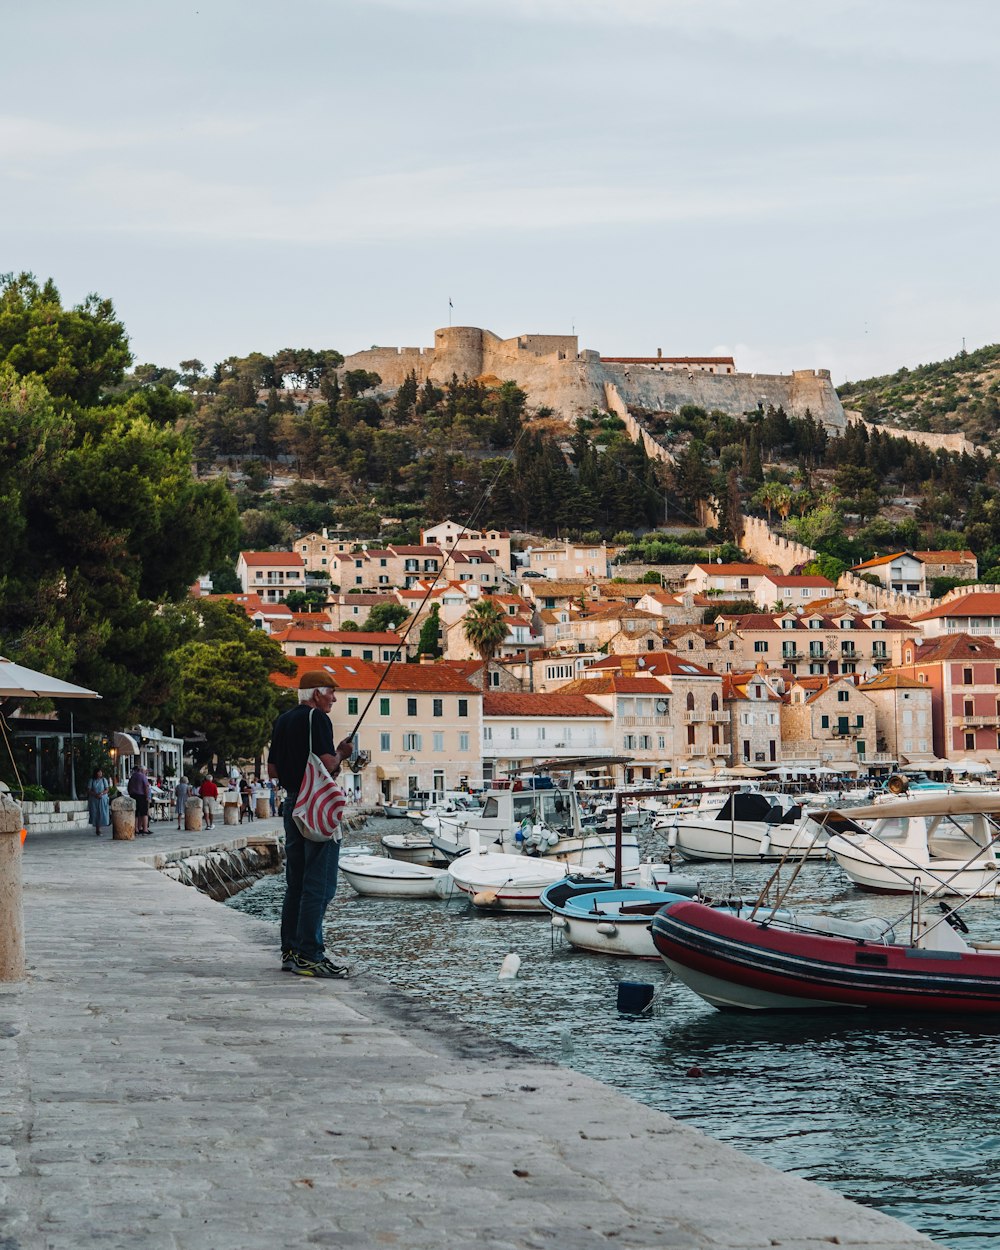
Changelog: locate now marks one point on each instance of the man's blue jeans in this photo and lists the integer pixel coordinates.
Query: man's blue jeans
(310, 884)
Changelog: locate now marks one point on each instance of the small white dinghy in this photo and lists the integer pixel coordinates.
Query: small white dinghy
(495, 881)
(377, 876)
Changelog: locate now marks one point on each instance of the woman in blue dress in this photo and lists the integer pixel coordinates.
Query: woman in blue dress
(98, 794)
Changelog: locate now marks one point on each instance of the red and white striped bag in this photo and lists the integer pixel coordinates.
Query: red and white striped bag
(319, 807)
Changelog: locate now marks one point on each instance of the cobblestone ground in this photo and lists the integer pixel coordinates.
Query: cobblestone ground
(165, 1086)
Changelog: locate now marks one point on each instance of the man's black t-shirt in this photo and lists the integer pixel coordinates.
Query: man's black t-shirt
(290, 745)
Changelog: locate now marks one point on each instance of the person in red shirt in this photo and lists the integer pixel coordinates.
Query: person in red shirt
(208, 791)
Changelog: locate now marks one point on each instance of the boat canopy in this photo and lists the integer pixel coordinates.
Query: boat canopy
(942, 803)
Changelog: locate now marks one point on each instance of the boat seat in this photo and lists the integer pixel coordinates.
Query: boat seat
(874, 930)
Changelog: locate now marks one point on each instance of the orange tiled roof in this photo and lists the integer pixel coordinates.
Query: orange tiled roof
(555, 704)
(976, 603)
(259, 558)
(442, 677)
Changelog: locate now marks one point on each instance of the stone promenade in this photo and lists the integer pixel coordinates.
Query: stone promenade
(166, 1087)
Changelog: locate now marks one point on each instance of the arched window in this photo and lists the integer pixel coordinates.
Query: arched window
(689, 704)
(715, 702)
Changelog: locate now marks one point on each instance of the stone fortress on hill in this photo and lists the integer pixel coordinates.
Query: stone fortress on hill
(557, 374)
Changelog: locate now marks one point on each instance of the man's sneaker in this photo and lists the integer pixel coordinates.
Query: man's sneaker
(322, 969)
(288, 961)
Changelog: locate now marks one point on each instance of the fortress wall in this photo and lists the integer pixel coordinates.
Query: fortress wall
(936, 442)
(734, 393)
(880, 597)
(460, 350)
(393, 364)
(765, 547)
(636, 432)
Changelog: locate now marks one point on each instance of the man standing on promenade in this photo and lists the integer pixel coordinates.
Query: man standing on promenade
(310, 867)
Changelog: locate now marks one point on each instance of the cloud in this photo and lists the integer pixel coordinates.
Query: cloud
(921, 30)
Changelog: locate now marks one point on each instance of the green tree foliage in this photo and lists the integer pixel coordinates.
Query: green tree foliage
(429, 642)
(220, 679)
(385, 616)
(78, 353)
(103, 518)
(485, 627)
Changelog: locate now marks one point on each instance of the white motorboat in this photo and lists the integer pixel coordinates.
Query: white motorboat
(749, 826)
(377, 876)
(394, 810)
(535, 816)
(413, 848)
(496, 881)
(944, 844)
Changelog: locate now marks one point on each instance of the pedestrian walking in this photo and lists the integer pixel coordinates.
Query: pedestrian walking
(209, 793)
(98, 800)
(310, 867)
(140, 790)
(182, 792)
(246, 800)
(272, 796)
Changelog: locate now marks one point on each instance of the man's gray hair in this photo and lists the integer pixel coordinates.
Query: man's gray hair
(306, 695)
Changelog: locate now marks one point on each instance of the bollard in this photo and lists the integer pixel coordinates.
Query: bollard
(192, 815)
(11, 894)
(231, 812)
(123, 818)
(261, 808)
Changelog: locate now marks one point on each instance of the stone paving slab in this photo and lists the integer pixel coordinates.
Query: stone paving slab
(166, 1086)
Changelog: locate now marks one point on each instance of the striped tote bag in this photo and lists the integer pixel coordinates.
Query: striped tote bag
(319, 808)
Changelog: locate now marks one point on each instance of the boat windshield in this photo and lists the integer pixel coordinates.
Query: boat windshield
(548, 807)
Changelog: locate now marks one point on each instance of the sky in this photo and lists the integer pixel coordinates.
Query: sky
(798, 183)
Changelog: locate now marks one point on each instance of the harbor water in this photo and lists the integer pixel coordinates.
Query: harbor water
(899, 1114)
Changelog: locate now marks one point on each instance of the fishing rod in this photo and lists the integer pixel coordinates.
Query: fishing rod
(449, 554)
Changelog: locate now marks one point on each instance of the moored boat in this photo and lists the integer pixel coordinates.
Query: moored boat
(748, 826)
(759, 962)
(610, 920)
(377, 876)
(413, 848)
(944, 844)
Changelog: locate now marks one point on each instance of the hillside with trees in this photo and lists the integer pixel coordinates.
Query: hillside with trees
(958, 394)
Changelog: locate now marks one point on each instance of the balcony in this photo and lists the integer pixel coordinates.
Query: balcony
(852, 731)
(717, 718)
(850, 653)
(793, 655)
(693, 748)
(820, 653)
(644, 722)
(694, 718)
(991, 718)
(880, 758)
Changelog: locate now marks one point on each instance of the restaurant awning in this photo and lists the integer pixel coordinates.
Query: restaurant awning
(385, 772)
(125, 744)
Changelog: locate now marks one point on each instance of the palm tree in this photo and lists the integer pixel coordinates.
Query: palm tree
(485, 627)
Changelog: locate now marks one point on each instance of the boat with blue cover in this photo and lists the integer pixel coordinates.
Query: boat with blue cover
(612, 920)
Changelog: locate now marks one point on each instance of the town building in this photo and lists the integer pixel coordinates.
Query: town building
(821, 639)
(270, 574)
(450, 536)
(776, 591)
(828, 722)
(526, 729)
(422, 730)
(345, 644)
(904, 720)
(754, 719)
(669, 712)
(726, 581)
(567, 561)
(976, 613)
(962, 672)
(911, 572)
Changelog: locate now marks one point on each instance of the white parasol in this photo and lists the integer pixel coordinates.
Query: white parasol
(18, 682)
